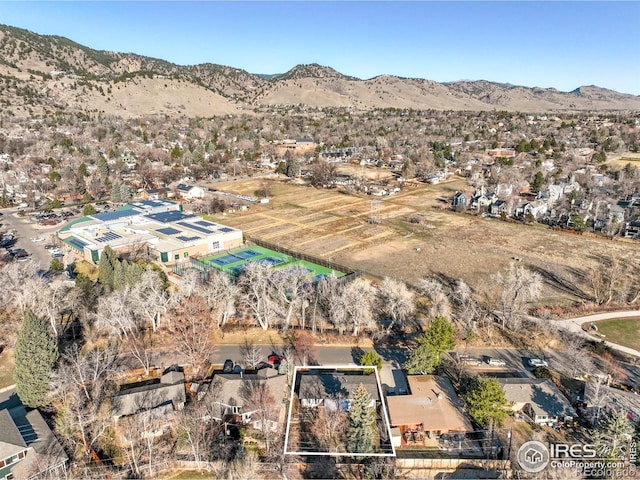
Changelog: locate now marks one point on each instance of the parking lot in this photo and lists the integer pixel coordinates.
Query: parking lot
(32, 237)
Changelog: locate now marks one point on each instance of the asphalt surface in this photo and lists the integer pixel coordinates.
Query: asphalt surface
(25, 231)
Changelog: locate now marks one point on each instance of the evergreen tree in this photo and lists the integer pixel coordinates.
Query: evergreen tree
(106, 268)
(35, 356)
(362, 436)
(292, 167)
(125, 193)
(538, 182)
(432, 345)
(371, 358)
(103, 168)
(115, 193)
(132, 273)
(486, 403)
(88, 210)
(119, 280)
(613, 432)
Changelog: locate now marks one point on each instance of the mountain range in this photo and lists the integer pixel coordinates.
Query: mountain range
(42, 74)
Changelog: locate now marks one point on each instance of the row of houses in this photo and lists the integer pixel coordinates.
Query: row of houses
(541, 207)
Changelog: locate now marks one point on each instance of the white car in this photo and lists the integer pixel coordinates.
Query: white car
(496, 362)
(37, 239)
(55, 251)
(538, 362)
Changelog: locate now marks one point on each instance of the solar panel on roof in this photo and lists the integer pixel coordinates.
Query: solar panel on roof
(108, 236)
(116, 214)
(226, 229)
(168, 217)
(195, 227)
(168, 231)
(187, 239)
(204, 223)
(77, 243)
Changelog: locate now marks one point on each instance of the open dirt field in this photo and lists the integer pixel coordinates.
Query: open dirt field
(335, 226)
(623, 160)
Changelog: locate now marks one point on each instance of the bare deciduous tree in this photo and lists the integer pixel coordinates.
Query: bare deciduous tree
(357, 298)
(192, 331)
(434, 290)
(260, 400)
(330, 427)
(196, 431)
(149, 298)
(81, 384)
(255, 282)
(115, 312)
(252, 354)
(396, 299)
(289, 290)
(221, 294)
(518, 288)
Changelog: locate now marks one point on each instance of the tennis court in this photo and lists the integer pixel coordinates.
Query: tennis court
(233, 262)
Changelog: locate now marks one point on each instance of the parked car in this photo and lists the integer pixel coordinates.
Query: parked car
(275, 359)
(70, 271)
(49, 246)
(8, 243)
(496, 362)
(471, 361)
(57, 255)
(228, 366)
(538, 362)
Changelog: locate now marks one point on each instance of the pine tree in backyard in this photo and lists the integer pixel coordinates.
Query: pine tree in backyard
(613, 433)
(362, 436)
(486, 403)
(35, 356)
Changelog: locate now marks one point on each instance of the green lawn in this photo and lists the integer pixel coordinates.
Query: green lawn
(624, 331)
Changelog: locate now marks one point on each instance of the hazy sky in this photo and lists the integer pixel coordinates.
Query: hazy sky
(546, 44)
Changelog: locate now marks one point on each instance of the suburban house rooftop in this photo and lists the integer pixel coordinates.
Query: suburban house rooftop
(432, 403)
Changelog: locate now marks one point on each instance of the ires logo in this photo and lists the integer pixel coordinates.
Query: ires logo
(576, 450)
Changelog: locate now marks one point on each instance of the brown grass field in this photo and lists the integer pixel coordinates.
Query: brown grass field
(623, 160)
(335, 226)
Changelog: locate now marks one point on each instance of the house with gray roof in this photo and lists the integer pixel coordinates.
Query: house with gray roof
(229, 394)
(166, 394)
(28, 447)
(334, 389)
(539, 399)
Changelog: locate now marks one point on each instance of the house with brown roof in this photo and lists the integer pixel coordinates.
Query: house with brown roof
(431, 409)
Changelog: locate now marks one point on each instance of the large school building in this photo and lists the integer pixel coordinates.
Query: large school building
(160, 227)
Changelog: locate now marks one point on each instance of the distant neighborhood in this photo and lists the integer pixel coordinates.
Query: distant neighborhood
(316, 292)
